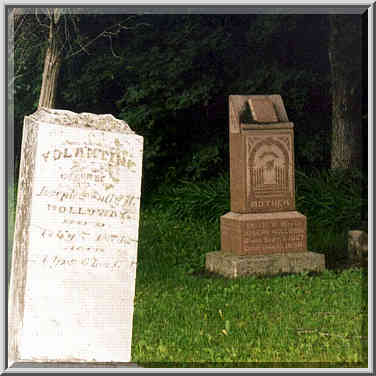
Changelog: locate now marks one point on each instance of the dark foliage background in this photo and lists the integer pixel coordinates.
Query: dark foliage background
(169, 77)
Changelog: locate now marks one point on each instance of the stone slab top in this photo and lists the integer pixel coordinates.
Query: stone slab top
(263, 109)
(106, 122)
(264, 216)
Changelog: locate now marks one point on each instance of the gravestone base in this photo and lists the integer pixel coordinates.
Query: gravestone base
(263, 233)
(233, 266)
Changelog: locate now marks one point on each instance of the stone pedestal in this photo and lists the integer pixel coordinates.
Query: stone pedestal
(266, 233)
(232, 266)
(357, 243)
(263, 233)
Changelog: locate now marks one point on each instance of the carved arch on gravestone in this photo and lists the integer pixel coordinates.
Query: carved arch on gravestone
(269, 169)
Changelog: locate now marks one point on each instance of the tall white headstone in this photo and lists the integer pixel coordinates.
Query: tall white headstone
(75, 243)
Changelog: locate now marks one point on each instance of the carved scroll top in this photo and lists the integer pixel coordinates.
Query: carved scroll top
(256, 110)
(262, 110)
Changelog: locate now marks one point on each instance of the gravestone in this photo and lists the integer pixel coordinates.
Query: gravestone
(263, 233)
(75, 244)
(357, 246)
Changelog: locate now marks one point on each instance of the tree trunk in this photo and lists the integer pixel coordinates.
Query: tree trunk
(345, 55)
(52, 65)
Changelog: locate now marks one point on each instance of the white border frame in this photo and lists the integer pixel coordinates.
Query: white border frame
(308, 5)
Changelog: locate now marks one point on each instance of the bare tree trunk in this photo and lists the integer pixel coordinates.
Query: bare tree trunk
(345, 60)
(52, 64)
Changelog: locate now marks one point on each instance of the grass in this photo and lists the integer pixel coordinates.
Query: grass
(187, 317)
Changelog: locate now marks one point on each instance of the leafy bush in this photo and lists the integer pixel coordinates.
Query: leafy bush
(205, 200)
(167, 243)
(332, 199)
(169, 77)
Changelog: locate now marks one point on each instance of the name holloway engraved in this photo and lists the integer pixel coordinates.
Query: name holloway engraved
(114, 205)
(89, 211)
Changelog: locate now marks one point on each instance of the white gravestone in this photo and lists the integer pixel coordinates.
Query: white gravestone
(75, 244)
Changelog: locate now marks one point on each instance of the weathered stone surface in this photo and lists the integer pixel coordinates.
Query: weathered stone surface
(357, 246)
(262, 176)
(233, 266)
(75, 244)
(262, 110)
(237, 105)
(105, 122)
(263, 233)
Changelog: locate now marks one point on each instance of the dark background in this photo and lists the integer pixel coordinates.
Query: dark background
(169, 77)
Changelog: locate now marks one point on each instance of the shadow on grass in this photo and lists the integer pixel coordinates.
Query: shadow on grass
(204, 273)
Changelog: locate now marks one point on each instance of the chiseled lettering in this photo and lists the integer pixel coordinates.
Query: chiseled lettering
(275, 204)
(116, 158)
(45, 156)
(57, 154)
(66, 153)
(104, 153)
(92, 262)
(84, 211)
(79, 153)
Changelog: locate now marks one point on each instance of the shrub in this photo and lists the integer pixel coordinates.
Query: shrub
(204, 200)
(332, 199)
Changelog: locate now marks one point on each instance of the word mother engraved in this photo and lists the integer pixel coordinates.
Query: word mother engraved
(263, 233)
(270, 183)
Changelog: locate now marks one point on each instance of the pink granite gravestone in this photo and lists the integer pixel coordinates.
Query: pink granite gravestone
(263, 233)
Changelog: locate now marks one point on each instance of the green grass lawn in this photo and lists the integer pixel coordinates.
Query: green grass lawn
(186, 317)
